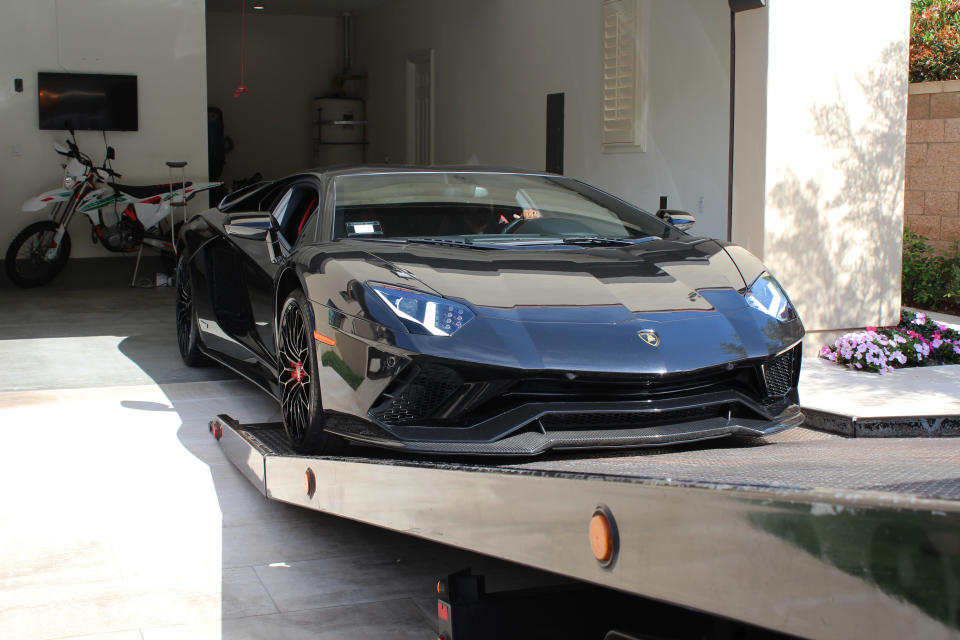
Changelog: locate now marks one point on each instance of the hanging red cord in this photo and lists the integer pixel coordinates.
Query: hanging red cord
(243, 45)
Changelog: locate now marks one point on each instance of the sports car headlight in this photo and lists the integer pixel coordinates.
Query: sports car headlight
(766, 295)
(423, 313)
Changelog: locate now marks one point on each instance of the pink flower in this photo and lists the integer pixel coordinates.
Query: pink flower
(825, 351)
(871, 328)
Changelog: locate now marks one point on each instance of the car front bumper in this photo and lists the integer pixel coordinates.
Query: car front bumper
(533, 441)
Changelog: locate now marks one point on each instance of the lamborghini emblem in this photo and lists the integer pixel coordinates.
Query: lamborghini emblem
(650, 337)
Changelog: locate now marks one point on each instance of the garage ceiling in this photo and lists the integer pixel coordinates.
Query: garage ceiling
(294, 7)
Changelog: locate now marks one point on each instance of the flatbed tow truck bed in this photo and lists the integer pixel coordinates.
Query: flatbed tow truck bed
(803, 533)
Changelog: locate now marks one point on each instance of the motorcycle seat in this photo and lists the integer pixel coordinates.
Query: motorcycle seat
(147, 190)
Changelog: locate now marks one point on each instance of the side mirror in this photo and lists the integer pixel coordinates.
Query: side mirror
(263, 228)
(676, 218)
(251, 227)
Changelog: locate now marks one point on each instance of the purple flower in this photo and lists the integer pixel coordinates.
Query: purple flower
(936, 343)
(956, 350)
(921, 319)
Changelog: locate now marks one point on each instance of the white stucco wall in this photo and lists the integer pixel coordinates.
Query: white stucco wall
(497, 60)
(828, 155)
(160, 41)
(290, 60)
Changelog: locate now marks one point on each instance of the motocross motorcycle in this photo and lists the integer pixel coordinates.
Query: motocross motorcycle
(123, 218)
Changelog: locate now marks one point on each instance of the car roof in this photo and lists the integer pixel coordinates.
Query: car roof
(373, 169)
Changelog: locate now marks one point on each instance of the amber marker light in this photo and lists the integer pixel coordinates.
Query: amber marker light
(603, 536)
(324, 339)
(310, 482)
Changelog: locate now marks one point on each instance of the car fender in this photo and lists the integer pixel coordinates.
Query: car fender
(38, 202)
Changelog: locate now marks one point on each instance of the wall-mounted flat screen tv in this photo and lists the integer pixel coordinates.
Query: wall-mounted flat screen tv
(87, 101)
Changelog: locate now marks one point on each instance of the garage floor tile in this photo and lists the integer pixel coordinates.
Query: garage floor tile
(394, 619)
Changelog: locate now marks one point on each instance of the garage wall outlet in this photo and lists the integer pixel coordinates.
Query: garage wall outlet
(18, 85)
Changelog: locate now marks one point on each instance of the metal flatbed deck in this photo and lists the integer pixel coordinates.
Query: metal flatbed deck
(804, 533)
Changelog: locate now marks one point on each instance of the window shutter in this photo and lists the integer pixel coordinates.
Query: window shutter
(621, 73)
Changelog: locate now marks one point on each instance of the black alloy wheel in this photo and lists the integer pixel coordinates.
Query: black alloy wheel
(188, 333)
(28, 263)
(300, 405)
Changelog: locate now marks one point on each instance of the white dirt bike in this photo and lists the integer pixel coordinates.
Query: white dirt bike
(123, 218)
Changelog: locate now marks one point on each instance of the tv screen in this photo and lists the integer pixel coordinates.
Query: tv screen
(87, 101)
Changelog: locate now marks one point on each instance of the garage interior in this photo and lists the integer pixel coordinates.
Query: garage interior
(134, 525)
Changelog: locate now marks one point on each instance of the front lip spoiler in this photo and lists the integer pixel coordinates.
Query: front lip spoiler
(511, 420)
(530, 443)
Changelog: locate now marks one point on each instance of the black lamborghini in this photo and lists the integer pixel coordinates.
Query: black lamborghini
(483, 311)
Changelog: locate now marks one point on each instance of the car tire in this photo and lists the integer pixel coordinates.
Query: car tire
(300, 402)
(188, 332)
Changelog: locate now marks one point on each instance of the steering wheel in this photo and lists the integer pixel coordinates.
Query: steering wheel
(513, 225)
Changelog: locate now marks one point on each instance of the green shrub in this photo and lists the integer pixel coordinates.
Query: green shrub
(934, 40)
(930, 280)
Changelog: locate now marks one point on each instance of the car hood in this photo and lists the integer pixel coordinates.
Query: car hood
(572, 282)
(567, 308)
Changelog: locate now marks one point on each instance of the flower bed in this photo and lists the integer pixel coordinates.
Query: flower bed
(916, 342)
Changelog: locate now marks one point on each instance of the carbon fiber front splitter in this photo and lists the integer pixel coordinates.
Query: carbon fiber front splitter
(533, 442)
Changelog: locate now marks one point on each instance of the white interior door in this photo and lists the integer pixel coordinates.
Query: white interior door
(419, 105)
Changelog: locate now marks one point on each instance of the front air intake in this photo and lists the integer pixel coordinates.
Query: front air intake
(780, 373)
(419, 397)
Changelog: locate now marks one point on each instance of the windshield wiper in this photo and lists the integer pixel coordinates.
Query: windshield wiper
(440, 241)
(597, 240)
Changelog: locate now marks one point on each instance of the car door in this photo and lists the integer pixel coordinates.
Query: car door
(260, 260)
(224, 262)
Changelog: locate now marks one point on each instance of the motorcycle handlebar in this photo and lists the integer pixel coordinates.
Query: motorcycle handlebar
(109, 172)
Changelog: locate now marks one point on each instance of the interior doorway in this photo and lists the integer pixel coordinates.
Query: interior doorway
(419, 104)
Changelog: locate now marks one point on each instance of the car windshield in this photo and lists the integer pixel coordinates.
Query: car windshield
(476, 207)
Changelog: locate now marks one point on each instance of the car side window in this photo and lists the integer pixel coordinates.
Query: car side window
(293, 211)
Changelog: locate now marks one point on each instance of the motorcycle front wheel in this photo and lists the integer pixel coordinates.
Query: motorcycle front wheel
(28, 263)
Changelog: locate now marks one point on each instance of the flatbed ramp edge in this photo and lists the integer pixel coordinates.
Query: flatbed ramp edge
(847, 546)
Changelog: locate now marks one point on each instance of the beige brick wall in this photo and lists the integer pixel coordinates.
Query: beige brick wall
(932, 197)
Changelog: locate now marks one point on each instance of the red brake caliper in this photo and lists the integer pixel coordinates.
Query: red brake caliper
(298, 372)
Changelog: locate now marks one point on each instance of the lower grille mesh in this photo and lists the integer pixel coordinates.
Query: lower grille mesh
(778, 373)
(426, 392)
